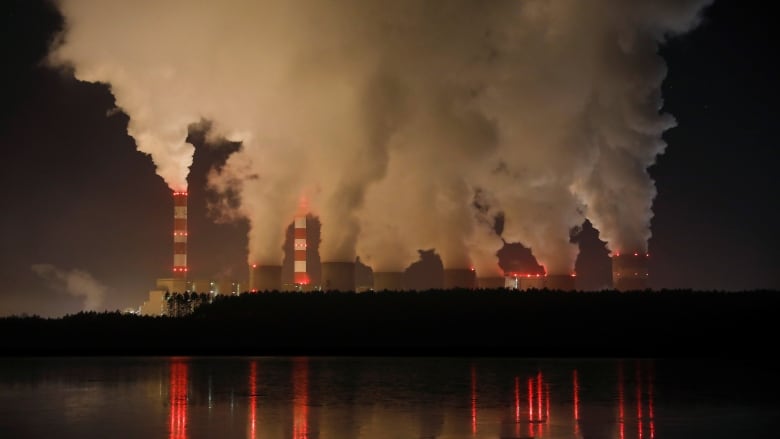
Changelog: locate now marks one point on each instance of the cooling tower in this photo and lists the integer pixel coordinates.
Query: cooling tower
(388, 280)
(338, 276)
(629, 271)
(530, 282)
(560, 282)
(491, 283)
(464, 278)
(180, 235)
(265, 278)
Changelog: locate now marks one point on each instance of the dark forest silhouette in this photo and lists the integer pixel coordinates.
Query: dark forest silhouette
(452, 322)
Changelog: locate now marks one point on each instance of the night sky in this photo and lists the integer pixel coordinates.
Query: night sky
(77, 195)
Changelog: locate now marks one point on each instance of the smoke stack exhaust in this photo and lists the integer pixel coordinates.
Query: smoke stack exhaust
(265, 278)
(388, 280)
(180, 235)
(338, 276)
(629, 271)
(460, 278)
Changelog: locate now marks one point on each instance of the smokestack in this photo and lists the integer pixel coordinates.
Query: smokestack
(180, 235)
(301, 276)
(491, 283)
(464, 278)
(388, 280)
(338, 276)
(560, 282)
(265, 278)
(629, 271)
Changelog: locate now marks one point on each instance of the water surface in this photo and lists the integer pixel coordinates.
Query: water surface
(344, 398)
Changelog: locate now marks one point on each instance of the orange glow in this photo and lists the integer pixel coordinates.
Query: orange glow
(254, 265)
(473, 400)
(177, 415)
(301, 278)
(301, 398)
(253, 400)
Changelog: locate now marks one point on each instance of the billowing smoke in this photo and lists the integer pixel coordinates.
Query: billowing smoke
(77, 283)
(408, 124)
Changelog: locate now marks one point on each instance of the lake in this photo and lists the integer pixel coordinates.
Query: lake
(382, 398)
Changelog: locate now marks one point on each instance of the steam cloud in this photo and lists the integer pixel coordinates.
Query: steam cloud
(77, 283)
(408, 124)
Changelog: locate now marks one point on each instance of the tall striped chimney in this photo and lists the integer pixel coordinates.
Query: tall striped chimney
(180, 235)
(301, 276)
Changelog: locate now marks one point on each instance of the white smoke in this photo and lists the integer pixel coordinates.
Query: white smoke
(77, 283)
(397, 118)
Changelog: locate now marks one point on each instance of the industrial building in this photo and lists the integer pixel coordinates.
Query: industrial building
(305, 272)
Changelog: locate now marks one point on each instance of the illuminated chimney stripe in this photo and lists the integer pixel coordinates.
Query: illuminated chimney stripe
(299, 246)
(180, 235)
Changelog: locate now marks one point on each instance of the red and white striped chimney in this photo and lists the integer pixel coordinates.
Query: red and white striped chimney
(180, 235)
(301, 276)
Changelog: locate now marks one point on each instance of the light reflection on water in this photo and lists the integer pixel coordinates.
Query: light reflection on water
(346, 398)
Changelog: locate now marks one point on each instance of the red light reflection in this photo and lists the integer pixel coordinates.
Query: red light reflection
(576, 385)
(253, 400)
(517, 399)
(301, 398)
(576, 396)
(539, 395)
(531, 407)
(650, 410)
(547, 403)
(517, 406)
(639, 400)
(473, 400)
(621, 413)
(177, 415)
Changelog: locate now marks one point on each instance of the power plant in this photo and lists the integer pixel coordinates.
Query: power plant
(460, 278)
(265, 278)
(388, 280)
(629, 271)
(338, 276)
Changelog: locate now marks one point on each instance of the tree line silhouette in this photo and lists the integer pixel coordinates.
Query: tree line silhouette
(433, 322)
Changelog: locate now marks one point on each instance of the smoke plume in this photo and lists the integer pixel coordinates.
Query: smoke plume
(77, 283)
(408, 124)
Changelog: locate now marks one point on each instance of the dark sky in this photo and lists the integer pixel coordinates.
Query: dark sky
(77, 195)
